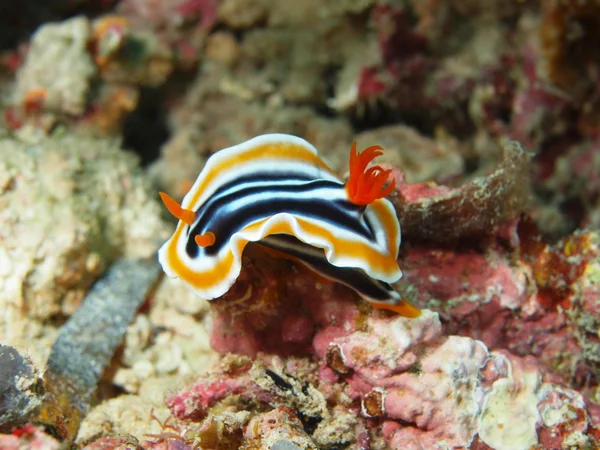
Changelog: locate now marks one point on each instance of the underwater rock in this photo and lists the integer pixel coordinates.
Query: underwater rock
(114, 442)
(123, 419)
(532, 298)
(197, 134)
(540, 111)
(559, 322)
(278, 429)
(476, 71)
(440, 214)
(468, 288)
(446, 389)
(243, 14)
(389, 70)
(424, 390)
(170, 14)
(58, 68)
(109, 109)
(96, 82)
(566, 56)
(21, 389)
(69, 206)
(277, 307)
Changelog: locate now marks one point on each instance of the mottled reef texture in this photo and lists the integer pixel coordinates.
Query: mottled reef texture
(488, 112)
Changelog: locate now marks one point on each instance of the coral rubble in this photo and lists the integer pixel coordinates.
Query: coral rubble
(93, 189)
(21, 389)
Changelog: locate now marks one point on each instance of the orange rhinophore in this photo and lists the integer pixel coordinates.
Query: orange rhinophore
(185, 215)
(367, 185)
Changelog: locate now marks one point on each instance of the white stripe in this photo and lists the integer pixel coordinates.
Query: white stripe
(379, 230)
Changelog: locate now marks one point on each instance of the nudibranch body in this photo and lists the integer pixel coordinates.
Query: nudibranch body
(276, 191)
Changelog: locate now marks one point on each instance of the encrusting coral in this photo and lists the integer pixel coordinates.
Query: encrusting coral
(388, 382)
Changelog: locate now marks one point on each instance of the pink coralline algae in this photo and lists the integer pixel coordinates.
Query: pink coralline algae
(392, 382)
(448, 388)
(28, 437)
(520, 294)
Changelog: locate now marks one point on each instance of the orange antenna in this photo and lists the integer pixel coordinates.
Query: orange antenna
(185, 215)
(367, 185)
(205, 240)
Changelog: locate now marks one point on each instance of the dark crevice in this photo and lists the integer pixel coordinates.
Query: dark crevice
(278, 380)
(309, 423)
(146, 130)
(375, 115)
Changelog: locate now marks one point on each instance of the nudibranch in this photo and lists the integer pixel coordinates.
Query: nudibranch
(275, 190)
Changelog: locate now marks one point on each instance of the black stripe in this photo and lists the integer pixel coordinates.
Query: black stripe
(314, 258)
(254, 179)
(299, 199)
(368, 224)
